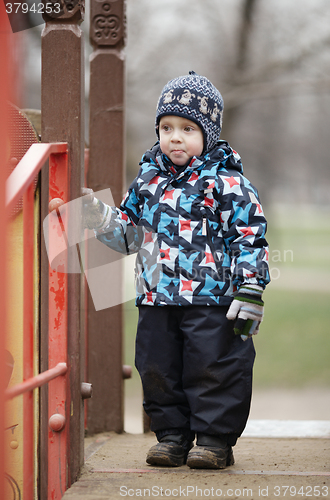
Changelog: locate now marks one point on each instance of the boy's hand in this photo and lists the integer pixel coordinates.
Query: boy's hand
(248, 308)
(96, 215)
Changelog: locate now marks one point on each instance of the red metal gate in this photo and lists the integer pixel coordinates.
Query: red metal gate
(62, 342)
(21, 182)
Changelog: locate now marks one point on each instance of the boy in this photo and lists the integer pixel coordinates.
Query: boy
(201, 269)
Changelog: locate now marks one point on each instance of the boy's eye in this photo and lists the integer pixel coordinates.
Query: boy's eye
(166, 128)
(188, 128)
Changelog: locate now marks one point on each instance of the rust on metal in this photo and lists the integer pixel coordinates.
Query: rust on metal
(58, 395)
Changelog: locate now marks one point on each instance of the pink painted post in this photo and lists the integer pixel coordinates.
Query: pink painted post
(58, 407)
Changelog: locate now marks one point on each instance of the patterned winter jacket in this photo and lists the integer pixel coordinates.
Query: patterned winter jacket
(199, 232)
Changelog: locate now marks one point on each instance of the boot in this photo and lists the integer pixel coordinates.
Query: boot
(210, 453)
(171, 451)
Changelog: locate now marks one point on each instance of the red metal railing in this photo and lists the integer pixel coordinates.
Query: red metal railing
(36, 381)
(59, 407)
(20, 183)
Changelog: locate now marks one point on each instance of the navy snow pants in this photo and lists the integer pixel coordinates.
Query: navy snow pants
(196, 374)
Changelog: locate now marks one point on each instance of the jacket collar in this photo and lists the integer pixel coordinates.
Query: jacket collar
(154, 161)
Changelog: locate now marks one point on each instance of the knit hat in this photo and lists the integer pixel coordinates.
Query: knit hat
(196, 98)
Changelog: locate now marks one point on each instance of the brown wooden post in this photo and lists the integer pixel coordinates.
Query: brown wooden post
(62, 108)
(106, 169)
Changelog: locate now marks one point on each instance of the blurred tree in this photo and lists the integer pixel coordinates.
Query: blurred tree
(275, 88)
(270, 60)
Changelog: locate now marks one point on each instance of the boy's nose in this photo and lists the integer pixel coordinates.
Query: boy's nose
(176, 136)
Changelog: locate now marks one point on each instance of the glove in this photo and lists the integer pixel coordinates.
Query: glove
(248, 308)
(96, 214)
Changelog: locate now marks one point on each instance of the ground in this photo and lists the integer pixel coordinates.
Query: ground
(265, 468)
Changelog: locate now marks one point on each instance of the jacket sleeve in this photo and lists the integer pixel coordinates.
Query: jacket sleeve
(244, 227)
(122, 233)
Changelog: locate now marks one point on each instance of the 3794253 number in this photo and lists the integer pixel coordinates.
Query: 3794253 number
(36, 8)
(302, 491)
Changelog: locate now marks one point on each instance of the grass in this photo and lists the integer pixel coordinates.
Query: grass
(300, 237)
(295, 248)
(294, 341)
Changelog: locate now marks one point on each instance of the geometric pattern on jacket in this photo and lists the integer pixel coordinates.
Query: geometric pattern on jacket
(199, 232)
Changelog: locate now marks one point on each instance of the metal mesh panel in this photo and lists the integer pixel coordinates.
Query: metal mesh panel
(21, 135)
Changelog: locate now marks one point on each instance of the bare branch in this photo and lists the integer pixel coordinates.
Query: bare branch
(270, 90)
(281, 66)
(245, 33)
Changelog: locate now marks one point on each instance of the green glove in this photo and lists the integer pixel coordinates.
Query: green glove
(247, 309)
(96, 214)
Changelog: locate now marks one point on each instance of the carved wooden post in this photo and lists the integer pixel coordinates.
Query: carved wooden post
(106, 169)
(62, 107)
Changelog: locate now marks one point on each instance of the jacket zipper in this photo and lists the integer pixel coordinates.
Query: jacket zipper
(206, 232)
(204, 226)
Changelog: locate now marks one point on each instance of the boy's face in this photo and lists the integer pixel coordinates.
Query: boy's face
(180, 139)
